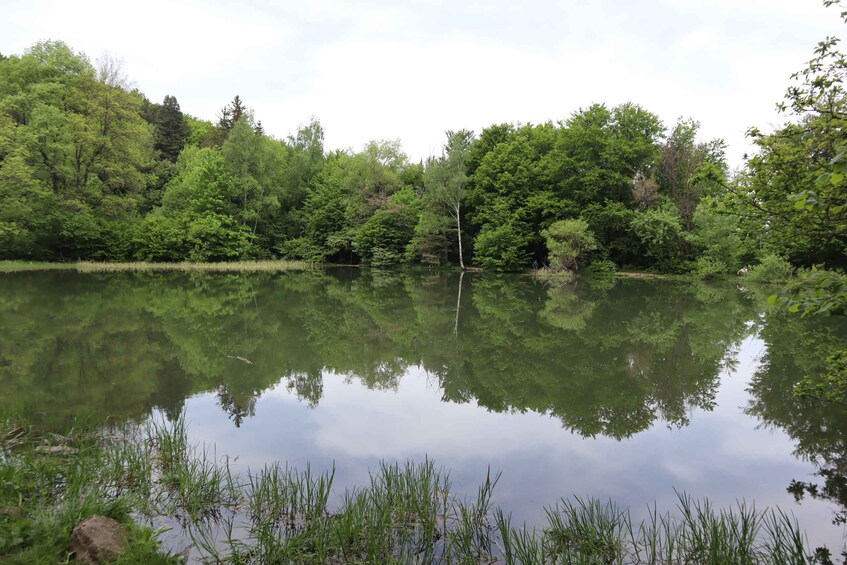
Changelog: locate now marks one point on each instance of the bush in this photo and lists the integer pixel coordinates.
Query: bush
(602, 267)
(382, 258)
(301, 248)
(661, 232)
(706, 267)
(388, 232)
(501, 248)
(567, 243)
(771, 268)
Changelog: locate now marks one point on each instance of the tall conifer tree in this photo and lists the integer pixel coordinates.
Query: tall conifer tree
(171, 129)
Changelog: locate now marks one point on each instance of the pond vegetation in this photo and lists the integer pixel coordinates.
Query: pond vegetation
(277, 514)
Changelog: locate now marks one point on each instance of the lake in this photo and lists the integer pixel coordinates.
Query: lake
(618, 389)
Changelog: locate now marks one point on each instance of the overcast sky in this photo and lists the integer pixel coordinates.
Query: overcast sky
(411, 70)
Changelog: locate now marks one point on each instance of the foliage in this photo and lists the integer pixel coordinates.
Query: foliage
(715, 238)
(568, 241)
(383, 239)
(91, 170)
(661, 232)
(73, 143)
(198, 217)
(771, 268)
(501, 248)
(444, 181)
(602, 267)
(794, 191)
(172, 129)
(611, 223)
(688, 170)
(602, 150)
(706, 267)
(815, 291)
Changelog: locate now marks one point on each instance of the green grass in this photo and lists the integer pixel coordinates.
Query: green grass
(89, 267)
(406, 514)
(97, 267)
(44, 496)
(9, 266)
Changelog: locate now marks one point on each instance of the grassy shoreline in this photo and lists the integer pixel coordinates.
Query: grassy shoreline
(234, 266)
(277, 514)
(13, 266)
(141, 266)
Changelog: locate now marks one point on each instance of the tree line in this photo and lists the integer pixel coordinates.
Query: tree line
(90, 169)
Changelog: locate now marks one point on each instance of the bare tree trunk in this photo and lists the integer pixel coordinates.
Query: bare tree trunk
(459, 231)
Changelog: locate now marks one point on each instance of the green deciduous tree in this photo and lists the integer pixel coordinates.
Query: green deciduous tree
(661, 231)
(781, 197)
(199, 217)
(680, 168)
(502, 247)
(81, 135)
(600, 151)
(382, 240)
(715, 236)
(568, 241)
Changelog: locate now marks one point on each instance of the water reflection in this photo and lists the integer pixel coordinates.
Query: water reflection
(348, 366)
(796, 348)
(608, 361)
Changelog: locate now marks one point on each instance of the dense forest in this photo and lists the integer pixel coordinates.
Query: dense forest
(90, 169)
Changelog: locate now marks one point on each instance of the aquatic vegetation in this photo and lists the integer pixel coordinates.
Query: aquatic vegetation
(231, 266)
(277, 514)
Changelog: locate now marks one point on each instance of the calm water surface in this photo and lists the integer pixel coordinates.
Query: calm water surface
(622, 389)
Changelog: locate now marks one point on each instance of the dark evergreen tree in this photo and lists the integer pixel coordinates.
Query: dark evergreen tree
(171, 129)
(237, 109)
(231, 113)
(225, 121)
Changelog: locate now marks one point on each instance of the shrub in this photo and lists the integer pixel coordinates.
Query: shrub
(771, 268)
(602, 267)
(567, 243)
(660, 230)
(706, 267)
(501, 248)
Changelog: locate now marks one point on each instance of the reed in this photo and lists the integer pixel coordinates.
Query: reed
(11, 266)
(234, 266)
(405, 514)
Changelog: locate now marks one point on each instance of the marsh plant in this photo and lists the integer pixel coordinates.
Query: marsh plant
(231, 266)
(278, 514)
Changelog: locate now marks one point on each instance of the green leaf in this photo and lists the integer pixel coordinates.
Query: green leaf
(836, 178)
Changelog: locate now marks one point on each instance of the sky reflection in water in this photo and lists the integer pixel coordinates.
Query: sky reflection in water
(612, 389)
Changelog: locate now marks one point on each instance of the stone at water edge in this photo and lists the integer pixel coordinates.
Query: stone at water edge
(11, 512)
(56, 450)
(98, 539)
